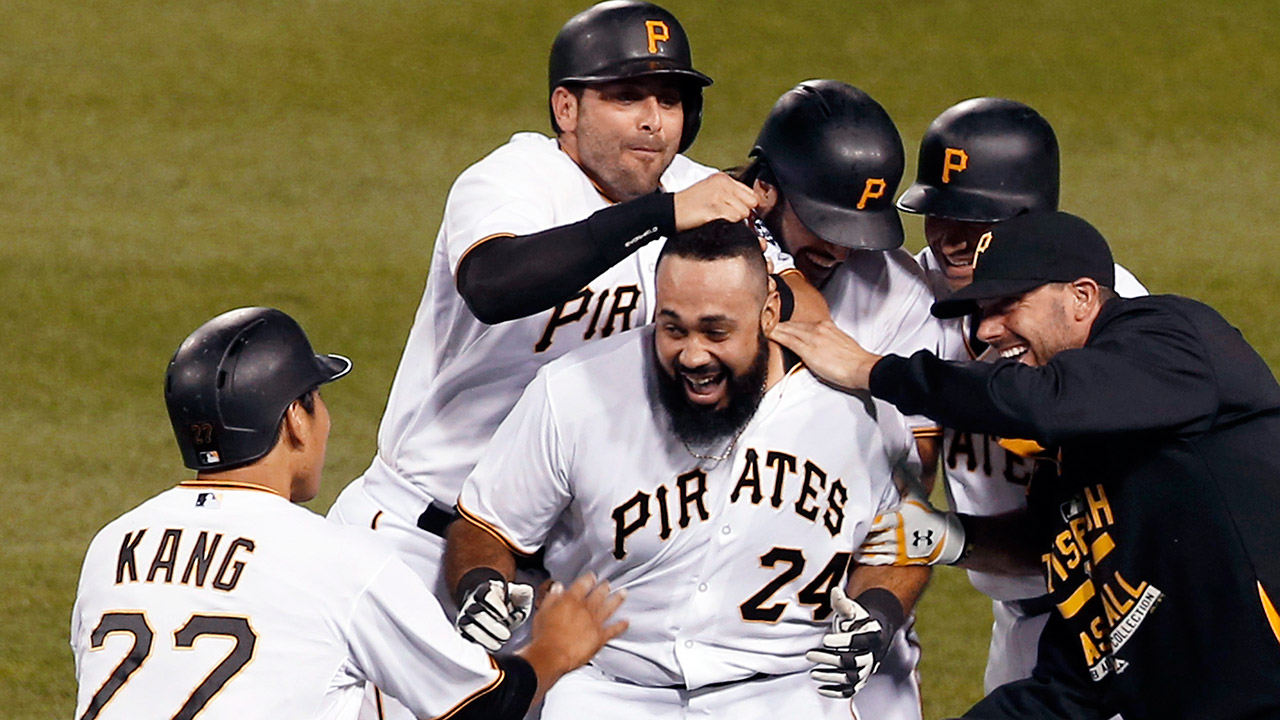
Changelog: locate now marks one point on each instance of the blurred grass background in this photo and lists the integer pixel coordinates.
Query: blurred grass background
(161, 162)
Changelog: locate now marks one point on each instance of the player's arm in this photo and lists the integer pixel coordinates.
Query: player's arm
(512, 276)
(865, 619)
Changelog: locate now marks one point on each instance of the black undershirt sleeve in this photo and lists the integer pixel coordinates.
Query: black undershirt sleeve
(511, 277)
(509, 699)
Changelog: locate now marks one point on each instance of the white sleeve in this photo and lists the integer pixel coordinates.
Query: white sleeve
(778, 258)
(399, 638)
(494, 198)
(521, 485)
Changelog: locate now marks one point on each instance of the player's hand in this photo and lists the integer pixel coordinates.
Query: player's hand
(718, 197)
(570, 625)
(916, 533)
(828, 352)
(853, 649)
(492, 610)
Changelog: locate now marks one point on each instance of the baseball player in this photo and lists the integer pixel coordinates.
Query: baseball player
(826, 166)
(982, 161)
(547, 244)
(220, 598)
(722, 487)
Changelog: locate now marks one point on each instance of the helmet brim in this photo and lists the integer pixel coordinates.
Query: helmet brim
(640, 67)
(957, 204)
(878, 229)
(332, 367)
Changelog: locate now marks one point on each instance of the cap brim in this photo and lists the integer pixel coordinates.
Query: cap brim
(954, 204)
(879, 229)
(965, 301)
(333, 367)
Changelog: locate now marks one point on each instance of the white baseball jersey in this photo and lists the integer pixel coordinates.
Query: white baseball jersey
(882, 299)
(459, 377)
(727, 565)
(228, 601)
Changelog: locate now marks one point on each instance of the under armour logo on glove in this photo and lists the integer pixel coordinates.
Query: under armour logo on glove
(853, 649)
(917, 533)
(492, 610)
(925, 537)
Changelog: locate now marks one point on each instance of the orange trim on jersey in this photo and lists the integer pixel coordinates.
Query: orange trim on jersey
(477, 244)
(495, 532)
(230, 485)
(373, 525)
(1273, 618)
(790, 270)
(927, 432)
(461, 704)
(377, 697)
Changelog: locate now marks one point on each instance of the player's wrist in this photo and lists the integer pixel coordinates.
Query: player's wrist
(886, 608)
(474, 578)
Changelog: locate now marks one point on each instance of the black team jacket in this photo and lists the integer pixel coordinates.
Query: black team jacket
(1160, 519)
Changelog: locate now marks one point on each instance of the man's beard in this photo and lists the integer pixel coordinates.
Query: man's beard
(702, 425)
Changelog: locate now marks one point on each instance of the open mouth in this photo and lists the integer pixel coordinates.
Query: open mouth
(1016, 352)
(821, 260)
(704, 388)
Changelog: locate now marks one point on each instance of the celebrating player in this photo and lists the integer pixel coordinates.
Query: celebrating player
(1155, 516)
(722, 487)
(826, 166)
(220, 598)
(982, 161)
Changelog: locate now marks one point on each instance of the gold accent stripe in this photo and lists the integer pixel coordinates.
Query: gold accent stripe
(495, 532)
(1273, 618)
(1082, 595)
(229, 485)
(477, 244)
(790, 270)
(927, 432)
(463, 703)
(1101, 547)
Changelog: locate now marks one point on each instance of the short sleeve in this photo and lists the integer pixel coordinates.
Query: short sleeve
(400, 639)
(498, 197)
(519, 488)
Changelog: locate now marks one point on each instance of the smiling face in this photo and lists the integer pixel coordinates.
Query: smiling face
(815, 258)
(952, 243)
(709, 340)
(1033, 327)
(624, 133)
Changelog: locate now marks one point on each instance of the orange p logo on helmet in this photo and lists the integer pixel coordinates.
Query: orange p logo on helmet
(955, 159)
(984, 242)
(657, 31)
(873, 189)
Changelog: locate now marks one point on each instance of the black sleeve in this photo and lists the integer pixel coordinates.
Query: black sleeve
(1142, 370)
(1059, 688)
(511, 277)
(509, 699)
(786, 296)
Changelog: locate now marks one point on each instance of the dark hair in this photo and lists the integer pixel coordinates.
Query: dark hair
(717, 240)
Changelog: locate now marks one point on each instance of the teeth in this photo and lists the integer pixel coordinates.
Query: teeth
(1013, 352)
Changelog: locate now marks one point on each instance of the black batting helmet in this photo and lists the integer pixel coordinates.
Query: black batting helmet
(625, 39)
(985, 160)
(230, 382)
(837, 158)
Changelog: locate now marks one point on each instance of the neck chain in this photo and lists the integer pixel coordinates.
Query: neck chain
(716, 458)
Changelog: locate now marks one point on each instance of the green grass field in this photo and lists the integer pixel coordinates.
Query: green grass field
(161, 162)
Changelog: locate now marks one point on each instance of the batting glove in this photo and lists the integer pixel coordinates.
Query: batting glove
(492, 610)
(861, 631)
(917, 533)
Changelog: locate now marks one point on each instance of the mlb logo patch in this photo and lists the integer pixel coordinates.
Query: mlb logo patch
(210, 457)
(208, 500)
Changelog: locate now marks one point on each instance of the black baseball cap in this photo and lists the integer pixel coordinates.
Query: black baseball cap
(1028, 251)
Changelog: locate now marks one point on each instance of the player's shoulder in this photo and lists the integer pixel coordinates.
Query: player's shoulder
(603, 362)
(525, 156)
(683, 172)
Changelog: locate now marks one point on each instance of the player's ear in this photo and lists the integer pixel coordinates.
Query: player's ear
(564, 107)
(771, 313)
(766, 195)
(295, 428)
(1085, 297)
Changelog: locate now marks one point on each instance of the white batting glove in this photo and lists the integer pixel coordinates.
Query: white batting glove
(853, 649)
(492, 610)
(917, 533)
